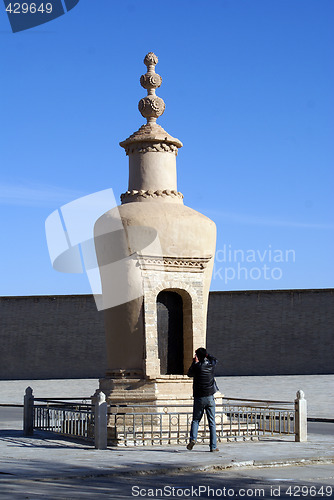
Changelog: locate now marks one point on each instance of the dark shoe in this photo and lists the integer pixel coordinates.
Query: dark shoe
(190, 445)
(215, 449)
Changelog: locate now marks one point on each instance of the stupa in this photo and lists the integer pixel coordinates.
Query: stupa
(157, 316)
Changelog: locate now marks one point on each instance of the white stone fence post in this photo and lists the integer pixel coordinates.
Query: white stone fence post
(100, 420)
(300, 418)
(28, 413)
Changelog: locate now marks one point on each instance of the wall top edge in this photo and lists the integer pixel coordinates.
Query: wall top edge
(50, 296)
(284, 290)
(216, 292)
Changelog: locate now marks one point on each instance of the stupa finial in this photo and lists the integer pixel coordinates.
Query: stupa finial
(151, 106)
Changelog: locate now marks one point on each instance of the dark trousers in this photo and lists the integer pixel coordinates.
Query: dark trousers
(206, 403)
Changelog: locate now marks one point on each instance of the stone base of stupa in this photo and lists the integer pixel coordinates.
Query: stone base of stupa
(151, 411)
(164, 390)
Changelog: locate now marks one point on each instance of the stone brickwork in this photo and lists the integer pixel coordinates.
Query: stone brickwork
(251, 333)
(51, 337)
(194, 312)
(272, 332)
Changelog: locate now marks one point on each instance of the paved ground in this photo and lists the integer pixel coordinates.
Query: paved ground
(31, 467)
(51, 468)
(42, 455)
(318, 389)
(309, 481)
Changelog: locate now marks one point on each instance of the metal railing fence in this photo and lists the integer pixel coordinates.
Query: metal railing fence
(163, 424)
(125, 425)
(66, 418)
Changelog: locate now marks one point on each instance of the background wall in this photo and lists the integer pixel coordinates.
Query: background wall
(284, 332)
(51, 337)
(251, 333)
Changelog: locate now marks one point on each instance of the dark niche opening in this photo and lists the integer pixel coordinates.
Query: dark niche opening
(170, 333)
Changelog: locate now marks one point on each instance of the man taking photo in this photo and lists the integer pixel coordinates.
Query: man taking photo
(204, 387)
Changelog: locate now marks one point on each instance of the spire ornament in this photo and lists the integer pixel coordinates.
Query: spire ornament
(151, 136)
(151, 106)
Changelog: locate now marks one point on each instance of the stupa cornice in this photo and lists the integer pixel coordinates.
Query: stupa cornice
(134, 194)
(151, 137)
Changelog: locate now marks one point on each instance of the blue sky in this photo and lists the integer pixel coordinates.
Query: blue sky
(248, 87)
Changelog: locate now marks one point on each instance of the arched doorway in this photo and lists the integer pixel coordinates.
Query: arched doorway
(170, 332)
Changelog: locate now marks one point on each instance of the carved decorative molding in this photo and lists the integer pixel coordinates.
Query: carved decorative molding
(149, 147)
(151, 133)
(151, 194)
(189, 264)
(124, 373)
(151, 106)
(150, 81)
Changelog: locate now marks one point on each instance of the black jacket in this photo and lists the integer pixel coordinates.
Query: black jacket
(203, 373)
